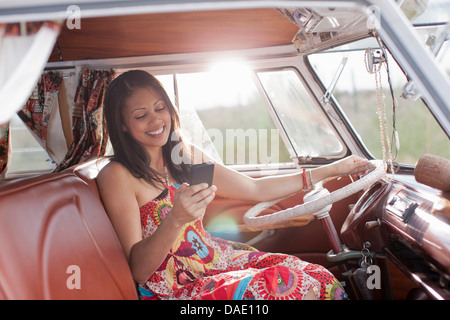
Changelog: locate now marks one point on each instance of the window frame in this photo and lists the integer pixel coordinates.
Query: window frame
(276, 65)
(314, 99)
(332, 100)
(333, 103)
(279, 57)
(10, 174)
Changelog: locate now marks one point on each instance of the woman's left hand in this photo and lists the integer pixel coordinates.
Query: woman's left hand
(352, 165)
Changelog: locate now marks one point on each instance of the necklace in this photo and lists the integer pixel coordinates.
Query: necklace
(166, 176)
(165, 182)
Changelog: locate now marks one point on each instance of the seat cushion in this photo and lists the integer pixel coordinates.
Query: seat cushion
(56, 242)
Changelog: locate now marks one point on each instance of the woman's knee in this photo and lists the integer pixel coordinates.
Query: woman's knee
(310, 295)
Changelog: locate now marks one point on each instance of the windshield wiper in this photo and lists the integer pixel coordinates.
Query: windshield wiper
(327, 95)
(410, 91)
(435, 43)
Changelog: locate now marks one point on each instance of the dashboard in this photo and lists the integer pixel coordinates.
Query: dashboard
(403, 220)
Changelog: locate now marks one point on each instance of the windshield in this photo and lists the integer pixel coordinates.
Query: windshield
(356, 94)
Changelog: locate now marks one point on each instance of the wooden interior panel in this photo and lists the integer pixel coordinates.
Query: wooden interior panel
(180, 32)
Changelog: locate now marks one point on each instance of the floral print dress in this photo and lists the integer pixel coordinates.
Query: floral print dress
(202, 267)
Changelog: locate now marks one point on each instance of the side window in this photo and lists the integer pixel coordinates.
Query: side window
(310, 132)
(233, 113)
(25, 150)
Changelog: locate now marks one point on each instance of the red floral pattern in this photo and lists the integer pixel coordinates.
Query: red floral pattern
(200, 266)
(88, 129)
(29, 28)
(4, 146)
(37, 110)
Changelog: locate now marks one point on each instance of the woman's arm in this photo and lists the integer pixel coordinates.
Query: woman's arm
(235, 185)
(189, 204)
(118, 192)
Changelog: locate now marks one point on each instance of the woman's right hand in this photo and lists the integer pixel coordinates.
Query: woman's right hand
(190, 202)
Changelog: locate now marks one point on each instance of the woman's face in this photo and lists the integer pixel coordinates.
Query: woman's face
(147, 118)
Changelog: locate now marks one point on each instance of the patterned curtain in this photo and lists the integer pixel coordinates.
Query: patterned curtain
(4, 147)
(17, 29)
(37, 110)
(88, 129)
(24, 52)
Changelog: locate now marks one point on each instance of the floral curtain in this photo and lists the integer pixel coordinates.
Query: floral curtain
(24, 50)
(38, 108)
(89, 131)
(28, 28)
(4, 148)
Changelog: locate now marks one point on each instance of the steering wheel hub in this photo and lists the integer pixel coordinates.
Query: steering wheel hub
(318, 192)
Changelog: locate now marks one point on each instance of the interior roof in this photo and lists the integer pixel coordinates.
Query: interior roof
(179, 32)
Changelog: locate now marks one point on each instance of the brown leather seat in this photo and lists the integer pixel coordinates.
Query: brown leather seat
(88, 172)
(56, 242)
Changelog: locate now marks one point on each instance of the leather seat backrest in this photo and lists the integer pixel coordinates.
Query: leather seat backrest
(88, 172)
(56, 242)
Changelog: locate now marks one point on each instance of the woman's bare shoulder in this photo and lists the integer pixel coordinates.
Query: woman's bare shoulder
(115, 182)
(112, 166)
(112, 174)
(117, 189)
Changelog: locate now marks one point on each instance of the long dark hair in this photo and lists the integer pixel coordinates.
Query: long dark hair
(126, 149)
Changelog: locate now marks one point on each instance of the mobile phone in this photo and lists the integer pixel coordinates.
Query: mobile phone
(201, 173)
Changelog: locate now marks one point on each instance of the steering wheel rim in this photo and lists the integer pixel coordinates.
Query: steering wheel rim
(315, 206)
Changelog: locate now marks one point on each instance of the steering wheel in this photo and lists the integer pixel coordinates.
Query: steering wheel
(318, 202)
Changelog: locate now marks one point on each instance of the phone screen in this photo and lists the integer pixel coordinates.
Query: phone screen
(201, 173)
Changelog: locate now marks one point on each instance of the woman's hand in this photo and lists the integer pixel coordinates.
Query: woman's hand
(352, 165)
(190, 202)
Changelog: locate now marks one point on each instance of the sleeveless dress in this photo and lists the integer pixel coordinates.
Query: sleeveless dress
(202, 267)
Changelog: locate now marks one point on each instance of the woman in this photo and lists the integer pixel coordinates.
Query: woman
(158, 216)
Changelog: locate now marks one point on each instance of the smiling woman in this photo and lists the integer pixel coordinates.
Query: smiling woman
(147, 117)
(261, 86)
(159, 221)
(140, 124)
